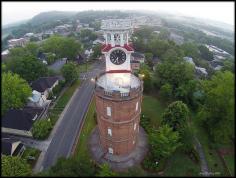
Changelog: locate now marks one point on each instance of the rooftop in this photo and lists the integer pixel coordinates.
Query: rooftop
(121, 82)
(21, 119)
(43, 83)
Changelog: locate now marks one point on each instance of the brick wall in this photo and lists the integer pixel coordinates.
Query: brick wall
(123, 122)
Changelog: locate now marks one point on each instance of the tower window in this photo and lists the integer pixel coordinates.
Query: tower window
(109, 111)
(109, 131)
(137, 106)
(110, 150)
(133, 142)
(134, 126)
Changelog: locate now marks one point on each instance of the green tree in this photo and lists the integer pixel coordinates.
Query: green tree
(191, 50)
(205, 53)
(176, 116)
(71, 167)
(217, 112)
(41, 128)
(15, 91)
(229, 65)
(70, 72)
(164, 142)
(50, 58)
(144, 70)
(105, 171)
(175, 72)
(164, 34)
(27, 66)
(97, 51)
(166, 91)
(32, 48)
(63, 47)
(185, 92)
(149, 59)
(15, 166)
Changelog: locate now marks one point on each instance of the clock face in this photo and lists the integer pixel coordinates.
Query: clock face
(118, 57)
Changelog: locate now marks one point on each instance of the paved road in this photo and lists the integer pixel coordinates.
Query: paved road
(66, 133)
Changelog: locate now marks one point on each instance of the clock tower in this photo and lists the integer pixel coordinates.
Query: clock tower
(117, 49)
(118, 139)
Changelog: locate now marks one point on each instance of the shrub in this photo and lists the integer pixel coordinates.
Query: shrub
(145, 122)
(41, 128)
(166, 91)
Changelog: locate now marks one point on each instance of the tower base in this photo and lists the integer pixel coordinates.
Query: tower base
(118, 163)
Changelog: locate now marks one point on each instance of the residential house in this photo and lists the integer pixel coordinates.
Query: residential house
(136, 56)
(135, 65)
(12, 147)
(20, 121)
(44, 85)
(200, 71)
(36, 100)
(88, 52)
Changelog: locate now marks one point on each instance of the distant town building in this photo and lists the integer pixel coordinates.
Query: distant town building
(189, 60)
(29, 35)
(17, 42)
(5, 53)
(99, 40)
(201, 71)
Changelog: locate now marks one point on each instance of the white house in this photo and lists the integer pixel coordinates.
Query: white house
(36, 100)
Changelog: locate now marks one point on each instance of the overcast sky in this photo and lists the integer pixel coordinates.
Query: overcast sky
(219, 11)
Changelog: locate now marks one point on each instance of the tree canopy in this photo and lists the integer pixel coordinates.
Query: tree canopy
(176, 116)
(70, 72)
(15, 91)
(164, 142)
(63, 47)
(27, 66)
(217, 112)
(105, 171)
(15, 166)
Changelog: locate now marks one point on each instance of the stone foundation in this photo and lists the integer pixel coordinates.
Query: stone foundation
(118, 162)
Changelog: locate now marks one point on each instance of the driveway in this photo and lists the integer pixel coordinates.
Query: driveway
(56, 66)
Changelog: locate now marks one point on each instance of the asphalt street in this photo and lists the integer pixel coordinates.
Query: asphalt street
(66, 133)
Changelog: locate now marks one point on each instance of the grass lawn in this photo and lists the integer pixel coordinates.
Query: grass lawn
(89, 125)
(63, 100)
(31, 152)
(180, 164)
(153, 108)
(230, 161)
(214, 163)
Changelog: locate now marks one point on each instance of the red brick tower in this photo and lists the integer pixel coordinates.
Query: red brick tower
(118, 139)
(118, 92)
